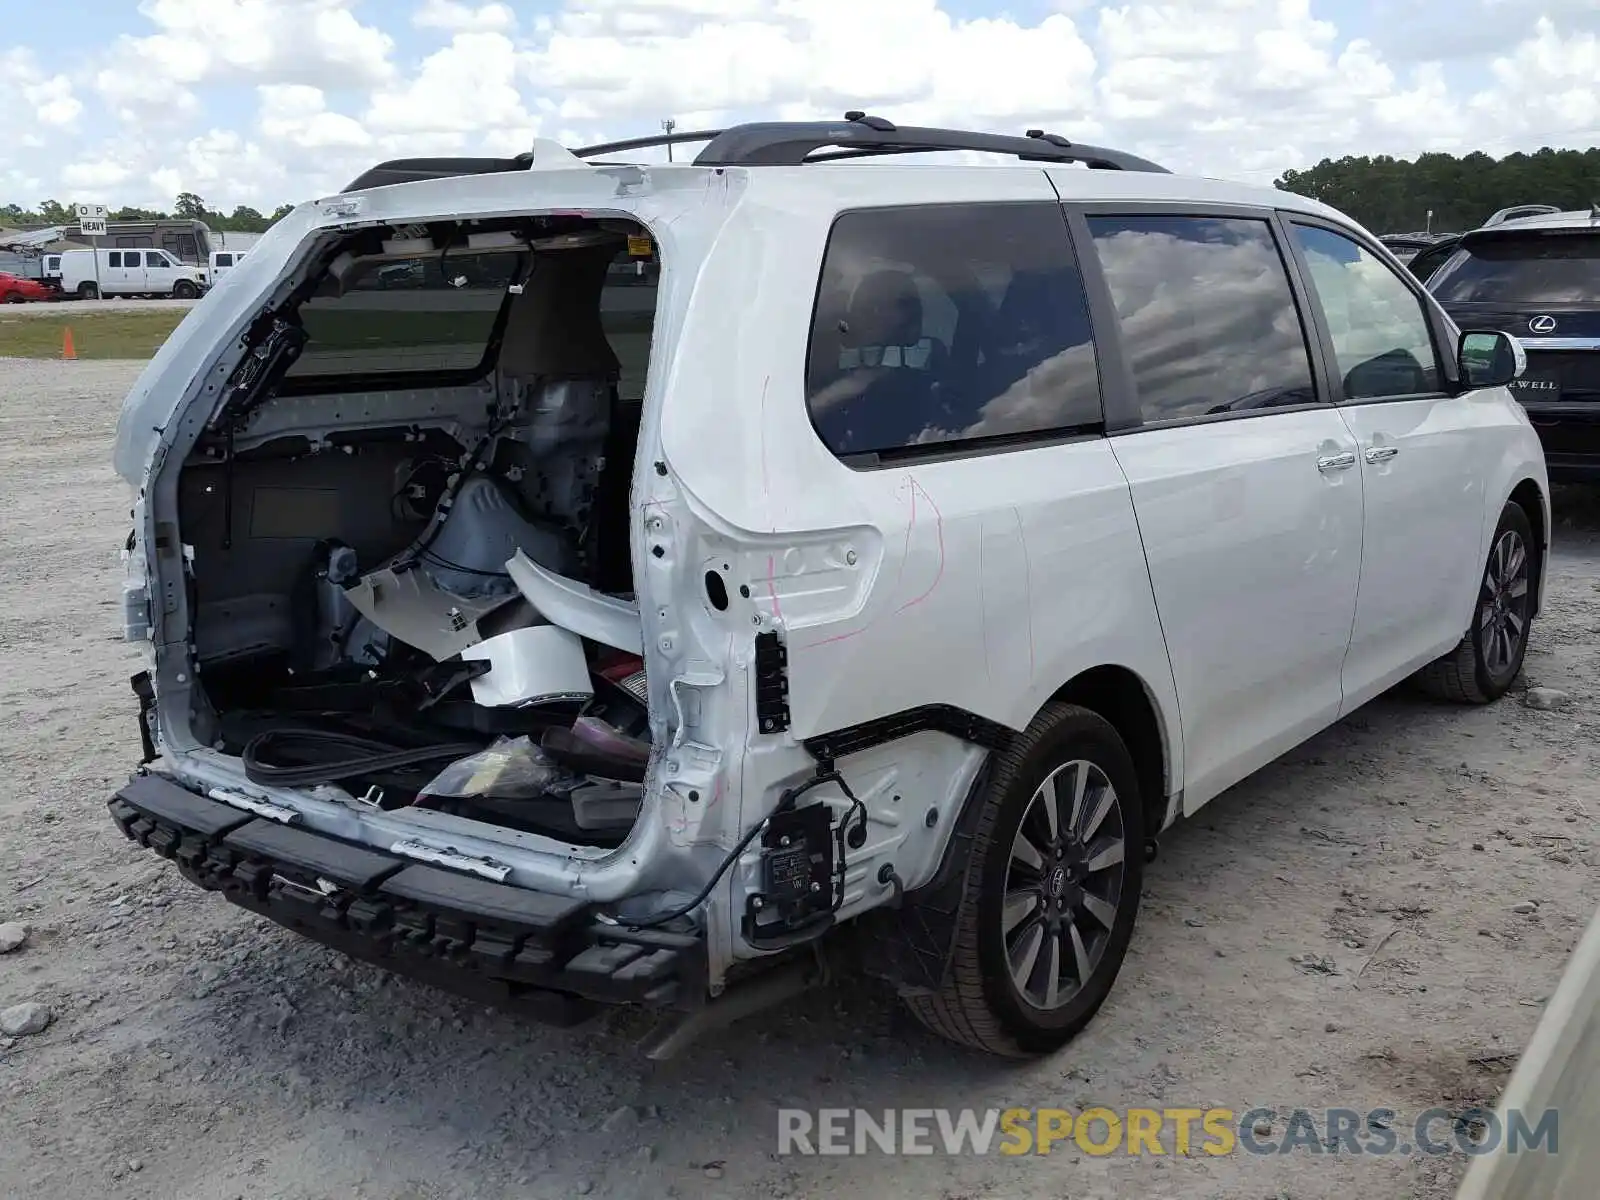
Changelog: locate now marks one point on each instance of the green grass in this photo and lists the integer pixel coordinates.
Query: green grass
(140, 334)
(95, 335)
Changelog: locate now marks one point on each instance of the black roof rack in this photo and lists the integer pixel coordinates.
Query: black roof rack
(410, 170)
(644, 143)
(790, 143)
(860, 135)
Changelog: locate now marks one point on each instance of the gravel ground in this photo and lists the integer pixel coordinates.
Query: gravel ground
(196, 1052)
(43, 308)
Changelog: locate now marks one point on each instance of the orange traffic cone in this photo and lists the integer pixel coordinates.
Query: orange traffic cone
(68, 350)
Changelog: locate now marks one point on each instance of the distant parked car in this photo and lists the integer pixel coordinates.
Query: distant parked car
(220, 263)
(14, 289)
(128, 273)
(1538, 277)
(1426, 261)
(1404, 245)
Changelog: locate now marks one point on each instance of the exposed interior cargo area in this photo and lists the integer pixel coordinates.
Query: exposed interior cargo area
(406, 527)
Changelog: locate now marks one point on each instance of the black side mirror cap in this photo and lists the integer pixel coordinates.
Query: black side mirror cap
(1488, 358)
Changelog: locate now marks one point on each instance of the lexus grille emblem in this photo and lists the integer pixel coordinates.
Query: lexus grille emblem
(1541, 324)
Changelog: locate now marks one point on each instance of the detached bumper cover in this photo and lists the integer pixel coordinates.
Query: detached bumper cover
(532, 951)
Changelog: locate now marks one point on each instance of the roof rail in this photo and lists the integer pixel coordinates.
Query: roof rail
(1520, 210)
(787, 143)
(784, 143)
(410, 170)
(644, 143)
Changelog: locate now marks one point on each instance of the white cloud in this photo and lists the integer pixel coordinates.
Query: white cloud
(95, 176)
(48, 99)
(464, 18)
(469, 87)
(262, 101)
(1549, 82)
(297, 114)
(320, 42)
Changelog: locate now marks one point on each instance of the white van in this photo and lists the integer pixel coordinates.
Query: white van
(575, 582)
(128, 273)
(221, 262)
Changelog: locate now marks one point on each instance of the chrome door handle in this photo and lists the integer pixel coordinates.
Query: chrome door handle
(1337, 462)
(1377, 454)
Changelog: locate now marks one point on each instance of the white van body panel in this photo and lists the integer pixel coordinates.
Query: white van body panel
(128, 272)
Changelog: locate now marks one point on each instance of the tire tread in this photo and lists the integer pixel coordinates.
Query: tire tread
(960, 1011)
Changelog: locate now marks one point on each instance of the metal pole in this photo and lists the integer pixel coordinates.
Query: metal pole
(95, 242)
(669, 125)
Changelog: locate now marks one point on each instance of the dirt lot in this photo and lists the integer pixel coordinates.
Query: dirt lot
(195, 1052)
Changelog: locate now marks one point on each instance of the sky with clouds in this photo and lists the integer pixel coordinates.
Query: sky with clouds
(262, 102)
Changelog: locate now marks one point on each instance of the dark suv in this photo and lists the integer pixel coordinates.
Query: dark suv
(1538, 278)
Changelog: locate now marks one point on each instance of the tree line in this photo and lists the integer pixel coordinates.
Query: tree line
(187, 206)
(1395, 195)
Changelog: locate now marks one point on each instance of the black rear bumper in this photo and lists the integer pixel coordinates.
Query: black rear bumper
(533, 952)
(1569, 433)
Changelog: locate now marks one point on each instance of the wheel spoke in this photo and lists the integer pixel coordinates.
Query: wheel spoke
(1100, 910)
(1519, 588)
(1080, 954)
(1106, 856)
(1051, 805)
(1487, 616)
(1515, 560)
(1514, 620)
(1080, 784)
(1052, 982)
(1026, 955)
(1020, 904)
(1025, 852)
(1108, 797)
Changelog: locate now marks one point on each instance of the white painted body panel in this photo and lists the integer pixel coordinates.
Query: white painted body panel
(1425, 506)
(1255, 554)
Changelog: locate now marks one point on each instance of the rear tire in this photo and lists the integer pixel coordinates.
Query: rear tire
(14, 298)
(88, 291)
(1489, 656)
(1051, 901)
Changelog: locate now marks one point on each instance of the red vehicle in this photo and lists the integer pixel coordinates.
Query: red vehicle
(14, 289)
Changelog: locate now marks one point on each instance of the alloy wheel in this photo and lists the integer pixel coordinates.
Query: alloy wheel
(1063, 884)
(1503, 607)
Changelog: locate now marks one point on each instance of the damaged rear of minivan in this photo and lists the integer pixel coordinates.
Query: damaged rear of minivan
(407, 690)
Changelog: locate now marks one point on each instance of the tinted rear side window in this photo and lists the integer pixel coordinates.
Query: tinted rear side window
(1209, 322)
(947, 324)
(1549, 269)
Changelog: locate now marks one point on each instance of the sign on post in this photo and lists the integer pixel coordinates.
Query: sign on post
(92, 220)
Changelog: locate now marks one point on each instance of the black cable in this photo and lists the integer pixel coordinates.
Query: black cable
(371, 757)
(722, 869)
(787, 802)
(441, 511)
(440, 560)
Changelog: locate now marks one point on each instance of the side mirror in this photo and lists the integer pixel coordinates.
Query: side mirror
(1489, 358)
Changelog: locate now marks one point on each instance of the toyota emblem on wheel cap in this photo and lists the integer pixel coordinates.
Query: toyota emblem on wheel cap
(1541, 324)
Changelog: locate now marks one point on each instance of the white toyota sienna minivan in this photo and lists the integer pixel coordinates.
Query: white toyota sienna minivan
(573, 580)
